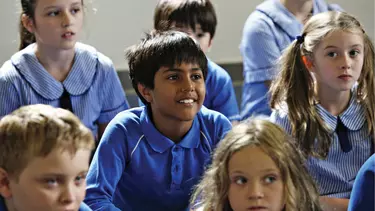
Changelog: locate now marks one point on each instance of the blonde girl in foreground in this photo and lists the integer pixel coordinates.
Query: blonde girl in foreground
(256, 167)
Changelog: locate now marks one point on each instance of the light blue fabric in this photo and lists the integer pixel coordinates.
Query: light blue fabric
(335, 174)
(267, 32)
(96, 92)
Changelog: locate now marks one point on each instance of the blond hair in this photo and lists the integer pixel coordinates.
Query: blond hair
(295, 85)
(34, 131)
(300, 192)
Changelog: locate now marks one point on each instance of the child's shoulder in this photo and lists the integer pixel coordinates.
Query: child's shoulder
(91, 54)
(211, 117)
(214, 70)
(82, 207)
(130, 116)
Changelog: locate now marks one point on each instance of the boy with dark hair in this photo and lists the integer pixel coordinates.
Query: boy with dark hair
(198, 19)
(150, 157)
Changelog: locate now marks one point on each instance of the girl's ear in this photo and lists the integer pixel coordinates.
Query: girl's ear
(307, 62)
(28, 23)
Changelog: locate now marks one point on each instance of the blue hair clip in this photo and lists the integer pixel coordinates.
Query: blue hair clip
(300, 38)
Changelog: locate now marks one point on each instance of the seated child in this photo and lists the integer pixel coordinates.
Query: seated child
(325, 99)
(150, 157)
(256, 167)
(363, 194)
(44, 158)
(198, 19)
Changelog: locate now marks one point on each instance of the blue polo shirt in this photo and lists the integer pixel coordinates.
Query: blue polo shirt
(137, 168)
(362, 197)
(335, 174)
(267, 32)
(83, 206)
(96, 92)
(220, 95)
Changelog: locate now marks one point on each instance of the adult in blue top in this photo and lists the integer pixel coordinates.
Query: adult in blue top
(198, 19)
(267, 32)
(52, 68)
(362, 197)
(150, 157)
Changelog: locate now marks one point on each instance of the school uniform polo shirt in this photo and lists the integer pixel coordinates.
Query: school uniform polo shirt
(335, 174)
(137, 168)
(363, 193)
(267, 32)
(95, 90)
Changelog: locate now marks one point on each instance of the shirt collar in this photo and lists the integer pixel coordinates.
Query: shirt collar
(284, 18)
(160, 143)
(77, 82)
(353, 117)
(2, 204)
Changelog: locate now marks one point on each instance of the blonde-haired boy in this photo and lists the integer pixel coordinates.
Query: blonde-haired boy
(44, 158)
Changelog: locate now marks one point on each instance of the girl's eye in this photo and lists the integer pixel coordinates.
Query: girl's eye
(240, 180)
(74, 11)
(270, 179)
(332, 54)
(53, 13)
(354, 53)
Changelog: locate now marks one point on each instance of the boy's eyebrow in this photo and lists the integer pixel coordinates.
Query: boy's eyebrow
(173, 69)
(51, 174)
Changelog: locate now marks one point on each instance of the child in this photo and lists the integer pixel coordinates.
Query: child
(363, 193)
(267, 32)
(150, 157)
(44, 158)
(325, 98)
(256, 167)
(52, 68)
(198, 19)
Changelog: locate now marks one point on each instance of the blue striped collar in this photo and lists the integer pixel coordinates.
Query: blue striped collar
(284, 18)
(78, 81)
(160, 143)
(353, 117)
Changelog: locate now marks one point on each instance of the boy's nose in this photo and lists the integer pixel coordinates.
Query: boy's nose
(68, 195)
(187, 86)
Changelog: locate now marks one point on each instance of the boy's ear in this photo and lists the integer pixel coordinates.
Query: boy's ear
(4, 184)
(28, 23)
(145, 92)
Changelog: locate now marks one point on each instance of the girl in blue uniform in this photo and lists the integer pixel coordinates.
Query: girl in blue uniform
(52, 68)
(325, 98)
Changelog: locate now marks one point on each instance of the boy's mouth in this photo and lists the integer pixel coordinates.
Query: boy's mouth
(187, 101)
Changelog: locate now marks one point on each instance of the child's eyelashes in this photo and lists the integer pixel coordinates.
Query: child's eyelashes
(269, 179)
(80, 179)
(194, 77)
(55, 13)
(332, 54)
(354, 53)
(75, 10)
(239, 180)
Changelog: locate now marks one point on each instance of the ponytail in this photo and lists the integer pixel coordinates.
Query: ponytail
(295, 86)
(26, 37)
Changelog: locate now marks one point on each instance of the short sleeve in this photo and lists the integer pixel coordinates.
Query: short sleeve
(113, 98)
(260, 52)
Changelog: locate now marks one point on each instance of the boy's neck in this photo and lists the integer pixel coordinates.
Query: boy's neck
(57, 62)
(8, 205)
(173, 129)
(332, 101)
(299, 8)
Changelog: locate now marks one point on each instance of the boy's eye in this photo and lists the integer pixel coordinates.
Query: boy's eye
(332, 54)
(53, 13)
(196, 77)
(200, 35)
(172, 77)
(50, 182)
(80, 179)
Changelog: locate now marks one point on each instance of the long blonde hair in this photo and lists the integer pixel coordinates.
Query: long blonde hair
(295, 85)
(301, 193)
